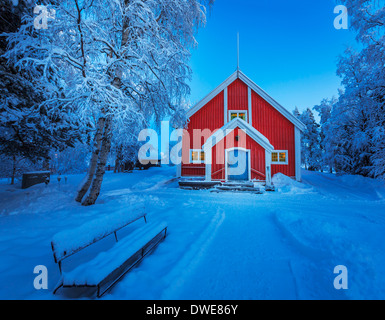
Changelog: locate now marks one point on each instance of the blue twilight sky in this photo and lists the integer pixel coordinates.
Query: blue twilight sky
(288, 47)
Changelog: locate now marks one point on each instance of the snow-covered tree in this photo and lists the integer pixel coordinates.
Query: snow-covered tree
(125, 147)
(72, 160)
(357, 124)
(310, 141)
(111, 63)
(14, 166)
(26, 130)
(324, 110)
(297, 113)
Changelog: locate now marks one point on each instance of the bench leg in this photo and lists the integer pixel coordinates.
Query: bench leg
(100, 293)
(58, 286)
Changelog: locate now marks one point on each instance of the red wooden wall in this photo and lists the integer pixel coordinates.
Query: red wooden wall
(275, 127)
(209, 117)
(237, 96)
(257, 156)
(265, 118)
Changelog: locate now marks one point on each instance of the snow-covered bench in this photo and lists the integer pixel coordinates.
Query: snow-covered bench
(107, 268)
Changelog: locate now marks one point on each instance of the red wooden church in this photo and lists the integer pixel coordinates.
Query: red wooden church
(239, 133)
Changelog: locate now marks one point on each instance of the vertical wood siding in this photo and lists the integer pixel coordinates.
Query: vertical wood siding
(275, 127)
(265, 118)
(237, 92)
(209, 117)
(257, 157)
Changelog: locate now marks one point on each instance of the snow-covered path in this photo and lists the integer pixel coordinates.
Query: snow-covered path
(252, 248)
(243, 265)
(281, 245)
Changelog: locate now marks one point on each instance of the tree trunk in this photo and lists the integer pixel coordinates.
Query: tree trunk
(97, 177)
(118, 160)
(94, 160)
(13, 170)
(46, 164)
(101, 166)
(116, 165)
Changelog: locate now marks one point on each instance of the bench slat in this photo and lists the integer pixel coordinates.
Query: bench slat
(117, 274)
(67, 243)
(105, 268)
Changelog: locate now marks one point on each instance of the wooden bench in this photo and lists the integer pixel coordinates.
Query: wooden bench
(107, 268)
(32, 178)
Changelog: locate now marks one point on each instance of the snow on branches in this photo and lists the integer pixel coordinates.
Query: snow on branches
(112, 64)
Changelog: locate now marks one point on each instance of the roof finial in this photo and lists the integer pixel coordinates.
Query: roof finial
(238, 51)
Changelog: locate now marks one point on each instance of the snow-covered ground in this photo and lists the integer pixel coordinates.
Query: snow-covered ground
(281, 245)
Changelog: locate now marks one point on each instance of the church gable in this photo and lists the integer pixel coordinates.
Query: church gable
(238, 99)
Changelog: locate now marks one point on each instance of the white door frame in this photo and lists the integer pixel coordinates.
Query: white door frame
(248, 151)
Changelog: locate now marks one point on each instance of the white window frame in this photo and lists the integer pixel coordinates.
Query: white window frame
(238, 112)
(278, 162)
(199, 161)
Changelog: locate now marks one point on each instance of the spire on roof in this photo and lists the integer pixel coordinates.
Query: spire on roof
(238, 51)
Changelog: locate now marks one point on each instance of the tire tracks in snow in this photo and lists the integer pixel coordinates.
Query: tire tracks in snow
(312, 274)
(191, 259)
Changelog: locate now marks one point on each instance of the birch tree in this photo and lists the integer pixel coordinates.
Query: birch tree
(112, 64)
